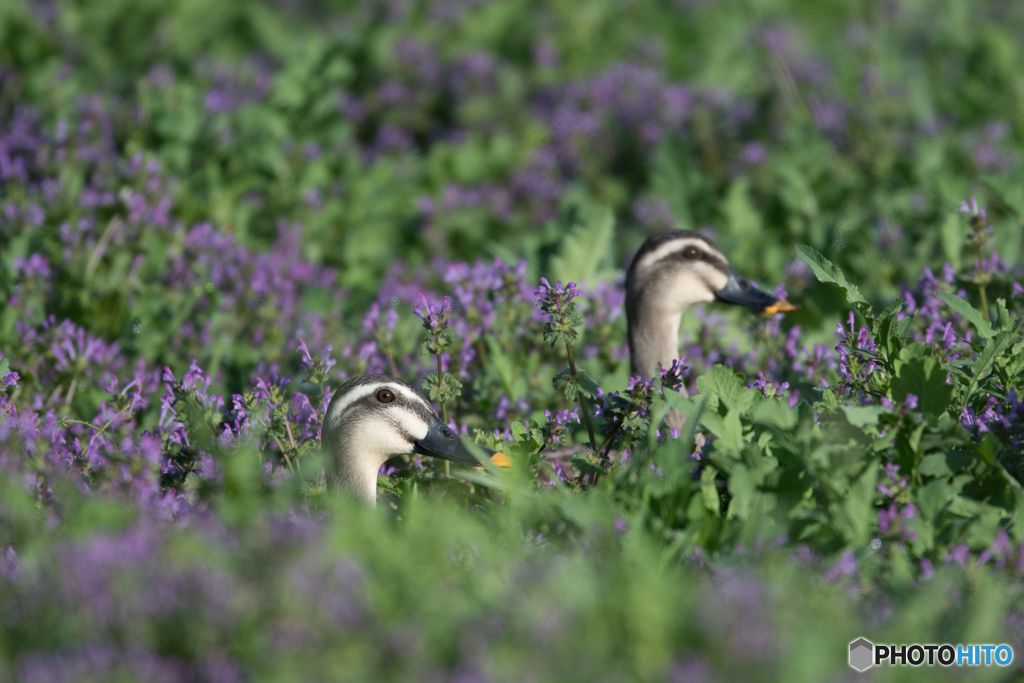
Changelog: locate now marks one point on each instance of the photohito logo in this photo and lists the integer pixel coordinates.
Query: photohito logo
(864, 654)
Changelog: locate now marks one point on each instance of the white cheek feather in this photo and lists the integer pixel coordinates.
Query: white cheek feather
(373, 440)
(715, 277)
(410, 423)
(684, 289)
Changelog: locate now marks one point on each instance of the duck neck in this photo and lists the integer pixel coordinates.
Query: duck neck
(354, 472)
(361, 481)
(653, 338)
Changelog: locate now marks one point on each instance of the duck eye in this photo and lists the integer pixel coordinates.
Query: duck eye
(385, 396)
(691, 252)
(447, 434)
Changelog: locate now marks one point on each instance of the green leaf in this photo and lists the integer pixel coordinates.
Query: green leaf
(587, 386)
(926, 379)
(741, 486)
(903, 328)
(732, 432)
(863, 416)
(943, 464)
(573, 386)
(721, 382)
(986, 358)
(775, 412)
(1003, 319)
(5, 366)
(519, 431)
(933, 497)
(449, 390)
(829, 401)
(969, 313)
(709, 491)
(968, 507)
(853, 514)
(586, 464)
(881, 328)
(984, 529)
(587, 246)
(826, 271)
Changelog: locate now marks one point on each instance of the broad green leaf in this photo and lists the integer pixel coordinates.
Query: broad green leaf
(741, 487)
(1004, 321)
(881, 327)
(519, 432)
(969, 313)
(709, 491)
(933, 497)
(829, 401)
(775, 412)
(926, 379)
(902, 328)
(853, 514)
(721, 382)
(986, 357)
(732, 431)
(863, 416)
(572, 385)
(943, 464)
(826, 271)
(586, 247)
(984, 529)
(588, 387)
(968, 507)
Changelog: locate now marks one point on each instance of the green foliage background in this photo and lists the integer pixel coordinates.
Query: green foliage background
(488, 577)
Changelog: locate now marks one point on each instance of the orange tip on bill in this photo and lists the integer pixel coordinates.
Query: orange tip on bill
(501, 460)
(781, 307)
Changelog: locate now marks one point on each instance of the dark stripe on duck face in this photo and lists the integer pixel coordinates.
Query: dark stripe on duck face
(359, 396)
(711, 258)
(707, 252)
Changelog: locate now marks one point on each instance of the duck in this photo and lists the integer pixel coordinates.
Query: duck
(372, 418)
(672, 271)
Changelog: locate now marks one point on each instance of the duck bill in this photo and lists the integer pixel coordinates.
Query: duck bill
(442, 442)
(741, 292)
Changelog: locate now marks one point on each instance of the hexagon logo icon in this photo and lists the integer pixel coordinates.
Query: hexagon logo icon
(862, 654)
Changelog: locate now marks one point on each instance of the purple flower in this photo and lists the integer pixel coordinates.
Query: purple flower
(927, 570)
(433, 320)
(844, 566)
(972, 208)
(959, 553)
(552, 299)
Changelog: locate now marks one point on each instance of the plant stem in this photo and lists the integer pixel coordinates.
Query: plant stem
(444, 410)
(391, 363)
(284, 452)
(981, 284)
(583, 401)
(74, 385)
(481, 348)
(288, 428)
